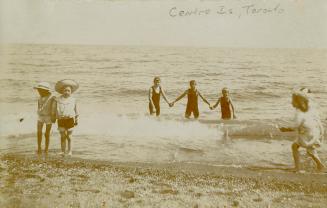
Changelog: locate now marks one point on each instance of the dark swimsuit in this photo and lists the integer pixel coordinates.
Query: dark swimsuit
(192, 104)
(225, 108)
(156, 102)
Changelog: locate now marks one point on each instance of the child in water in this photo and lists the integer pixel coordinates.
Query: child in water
(44, 109)
(226, 104)
(66, 111)
(308, 127)
(192, 100)
(154, 97)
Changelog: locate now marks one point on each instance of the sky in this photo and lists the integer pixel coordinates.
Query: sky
(207, 23)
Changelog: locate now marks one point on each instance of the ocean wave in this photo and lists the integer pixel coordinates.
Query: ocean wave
(138, 126)
(110, 67)
(130, 92)
(34, 65)
(256, 95)
(258, 75)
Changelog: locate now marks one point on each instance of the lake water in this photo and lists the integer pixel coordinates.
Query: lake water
(114, 83)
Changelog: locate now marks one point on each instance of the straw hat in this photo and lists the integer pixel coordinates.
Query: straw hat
(60, 85)
(44, 86)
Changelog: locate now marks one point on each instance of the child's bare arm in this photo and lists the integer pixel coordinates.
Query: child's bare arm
(217, 103)
(164, 96)
(76, 114)
(181, 96)
(150, 95)
(204, 100)
(233, 110)
(54, 110)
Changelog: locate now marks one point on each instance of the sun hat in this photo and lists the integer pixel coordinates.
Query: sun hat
(303, 93)
(64, 83)
(44, 86)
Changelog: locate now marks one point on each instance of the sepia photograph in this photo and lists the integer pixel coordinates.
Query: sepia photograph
(153, 103)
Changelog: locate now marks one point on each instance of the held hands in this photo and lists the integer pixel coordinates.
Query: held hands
(171, 104)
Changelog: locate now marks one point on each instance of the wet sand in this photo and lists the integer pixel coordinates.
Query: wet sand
(29, 181)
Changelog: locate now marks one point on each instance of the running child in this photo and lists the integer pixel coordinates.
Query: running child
(66, 111)
(44, 111)
(154, 97)
(192, 100)
(308, 127)
(226, 104)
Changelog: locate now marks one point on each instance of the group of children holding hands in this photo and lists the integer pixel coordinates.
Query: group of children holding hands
(63, 109)
(192, 107)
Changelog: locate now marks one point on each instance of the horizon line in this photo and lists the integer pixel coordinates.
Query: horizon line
(157, 46)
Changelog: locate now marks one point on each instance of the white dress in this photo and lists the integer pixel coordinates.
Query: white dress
(309, 129)
(66, 107)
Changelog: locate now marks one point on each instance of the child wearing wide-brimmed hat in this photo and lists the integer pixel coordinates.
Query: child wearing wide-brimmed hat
(308, 127)
(44, 111)
(66, 112)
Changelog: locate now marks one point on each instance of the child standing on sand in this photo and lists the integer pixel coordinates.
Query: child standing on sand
(226, 104)
(192, 100)
(154, 97)
(44, 109)
(66, 111)
(308, 127)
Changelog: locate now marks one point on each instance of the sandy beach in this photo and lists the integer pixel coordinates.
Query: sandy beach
(30, 181)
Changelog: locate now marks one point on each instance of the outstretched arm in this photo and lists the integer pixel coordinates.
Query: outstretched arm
(204, 100)
(180, 97)
(164, 96)
(293, 127)
(215, 105)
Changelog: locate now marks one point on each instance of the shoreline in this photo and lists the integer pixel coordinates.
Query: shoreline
(28, 181)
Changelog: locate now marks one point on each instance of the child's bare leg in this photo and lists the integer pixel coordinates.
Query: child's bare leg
(39, 137)
(47, 137)
(296, 156)
(69, 139)
(226, 134)
(314, 155)
(63, 141)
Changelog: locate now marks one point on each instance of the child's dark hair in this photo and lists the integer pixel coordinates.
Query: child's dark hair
(156, 78)
(225, 89)
(192, 82)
